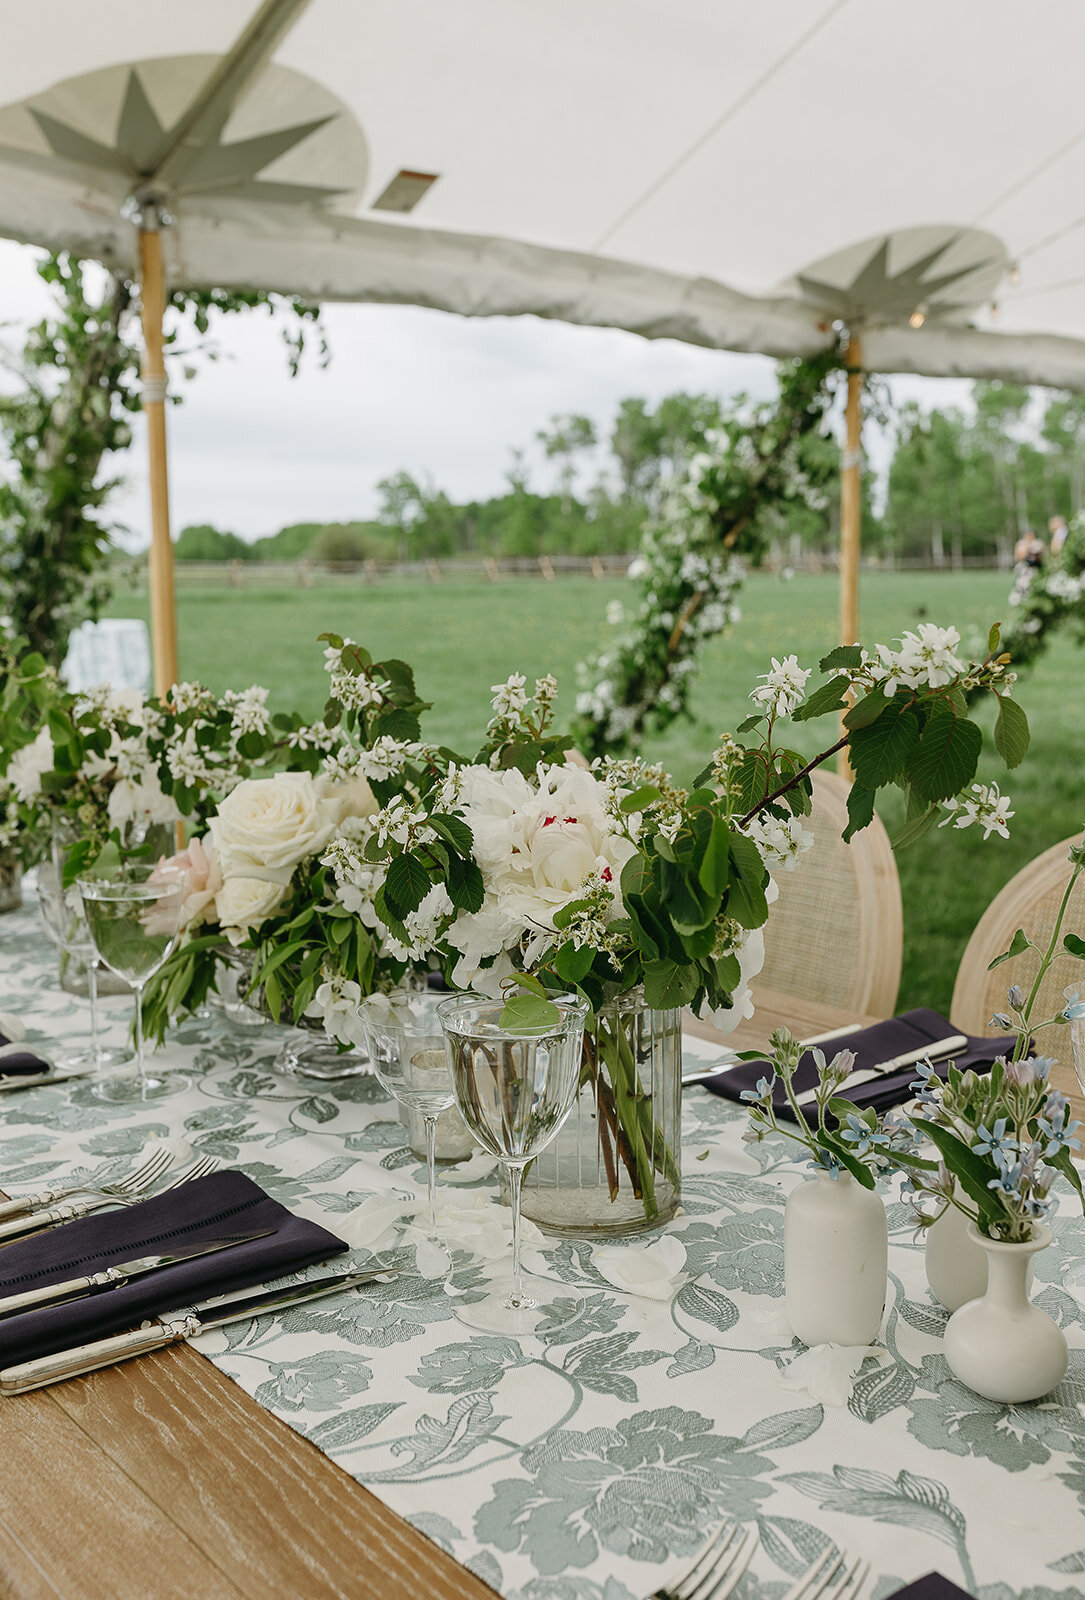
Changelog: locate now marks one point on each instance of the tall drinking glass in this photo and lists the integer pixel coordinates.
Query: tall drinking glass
(514, 1087)
(66, 926)
(407, 1052)
(134, 916)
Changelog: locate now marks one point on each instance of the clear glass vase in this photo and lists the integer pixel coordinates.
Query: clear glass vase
(615, 1166)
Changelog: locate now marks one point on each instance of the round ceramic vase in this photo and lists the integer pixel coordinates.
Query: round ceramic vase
(1001, 1345)
(836, 1259)
(956, 1265)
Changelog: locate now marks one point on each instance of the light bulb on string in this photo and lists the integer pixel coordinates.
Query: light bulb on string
(1015, 275)
(917, 319)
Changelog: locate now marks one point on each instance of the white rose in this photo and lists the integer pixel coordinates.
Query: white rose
(265, 826)
(27, 765)
(353, 799)
(245, 903)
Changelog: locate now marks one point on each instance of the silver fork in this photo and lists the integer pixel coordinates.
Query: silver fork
(833, 1576)
(717, 1569)
(134, 1182)
(83, 1208)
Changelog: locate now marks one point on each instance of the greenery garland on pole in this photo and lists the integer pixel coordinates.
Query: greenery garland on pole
(1047, 598)
(79, 386)
(689, 567)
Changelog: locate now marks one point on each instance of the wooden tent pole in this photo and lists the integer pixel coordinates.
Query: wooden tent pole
(851, 509)
(163, 606)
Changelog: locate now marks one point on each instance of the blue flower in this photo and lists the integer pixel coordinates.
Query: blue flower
(763, 1091)
(1074, 1009)
(1016, 996)
(1008, 1181)
(825, 1161)
(1001, 1020)
(994, 1143)
(1060, 1135)
(864, 1138)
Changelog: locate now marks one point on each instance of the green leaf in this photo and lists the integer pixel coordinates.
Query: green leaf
(746, 894)
(1063, 1161)
(528, 1013)
(944, 761)
(1074, 946)
(571, 964)
(640, 799)
(830, 696)
(971, 1172)
(844, 655)
(860, 809)
(455, 830)
(465, 887)
(1018, 945)
(868, 710)
(715, 869)
(993, 638)
(878, 751)
(668, 985)
(1011, 731)
(334, 639)
(748, 724)
(406, 885)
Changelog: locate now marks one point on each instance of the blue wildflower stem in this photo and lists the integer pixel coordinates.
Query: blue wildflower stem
(1045, 962)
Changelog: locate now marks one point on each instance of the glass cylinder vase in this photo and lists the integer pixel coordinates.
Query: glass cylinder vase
(615, 1166)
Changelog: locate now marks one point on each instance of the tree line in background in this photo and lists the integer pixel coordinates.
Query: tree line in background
(960, 486)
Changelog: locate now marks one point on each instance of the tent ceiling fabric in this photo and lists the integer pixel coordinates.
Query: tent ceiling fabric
(731, 175)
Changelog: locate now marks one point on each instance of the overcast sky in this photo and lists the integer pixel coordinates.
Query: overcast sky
(445, 397)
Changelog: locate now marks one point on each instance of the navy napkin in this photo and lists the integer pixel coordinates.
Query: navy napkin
(19, 1061)
(214, 1207)
(880, 1043)
(931, 1587)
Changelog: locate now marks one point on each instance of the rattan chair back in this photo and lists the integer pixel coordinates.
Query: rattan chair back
(1030, 901)
(836, 933)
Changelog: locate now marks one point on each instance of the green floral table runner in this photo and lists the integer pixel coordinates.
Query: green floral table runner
(592, 1464)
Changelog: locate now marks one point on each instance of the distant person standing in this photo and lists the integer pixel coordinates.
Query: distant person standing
(1058, 531)
(1029, 550)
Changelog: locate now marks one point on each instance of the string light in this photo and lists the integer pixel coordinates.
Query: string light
(1015, 275)
(994, 310)
(917, 319)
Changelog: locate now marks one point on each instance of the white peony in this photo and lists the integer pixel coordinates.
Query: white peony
(265, 826)
(751, 958)
(353, 799)
(246, 903)
(27, 765)
(536, 847)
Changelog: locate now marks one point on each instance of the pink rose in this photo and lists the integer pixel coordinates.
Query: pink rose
(199, 868)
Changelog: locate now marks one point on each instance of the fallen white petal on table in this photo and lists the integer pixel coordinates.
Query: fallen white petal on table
(827, 1371)
(652, 1270)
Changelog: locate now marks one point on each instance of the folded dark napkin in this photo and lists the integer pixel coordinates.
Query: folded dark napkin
(932, 1587)
(880, 1043)
(18, 1061)
(208, 1208)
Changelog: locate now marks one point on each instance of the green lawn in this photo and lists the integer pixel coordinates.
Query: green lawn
(461, 636)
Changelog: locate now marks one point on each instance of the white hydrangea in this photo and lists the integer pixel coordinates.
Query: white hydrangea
(384, 759)
(248, 710)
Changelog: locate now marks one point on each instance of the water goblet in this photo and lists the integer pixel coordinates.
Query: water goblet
(407, 1051)
(66, 927)
(134, 917)
(514, 1088)
(1077, 1046)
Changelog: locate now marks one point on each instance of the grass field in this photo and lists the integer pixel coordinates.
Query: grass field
(462, 636)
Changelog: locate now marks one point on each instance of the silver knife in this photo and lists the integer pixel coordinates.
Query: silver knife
(937, 1050)
(77, 1288)
(28, 1080)
(733, 1061)
(172, 1328)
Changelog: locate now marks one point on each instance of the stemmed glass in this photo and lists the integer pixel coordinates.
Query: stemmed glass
(66, 926)
(407, 1051)
(134, 917)
(514, 1087)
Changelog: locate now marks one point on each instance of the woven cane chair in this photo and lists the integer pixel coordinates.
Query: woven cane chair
(836, 934)
(1030, 901)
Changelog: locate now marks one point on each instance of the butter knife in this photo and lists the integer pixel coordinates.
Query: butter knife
(733, 1059)
(108, 1277)
(28, 1080)
(172, 1328)
(937, 1050)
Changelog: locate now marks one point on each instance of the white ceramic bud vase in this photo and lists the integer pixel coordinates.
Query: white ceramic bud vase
(956, 1265)
(1003, 1346)
(836, 1260)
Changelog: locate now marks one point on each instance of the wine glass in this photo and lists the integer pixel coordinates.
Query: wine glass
(1077, 1045)
(407, 1051)
(66, 927)
(514, 1088)
(134, 917)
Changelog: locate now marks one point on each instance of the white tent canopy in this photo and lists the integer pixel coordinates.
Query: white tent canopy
(732, 175)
